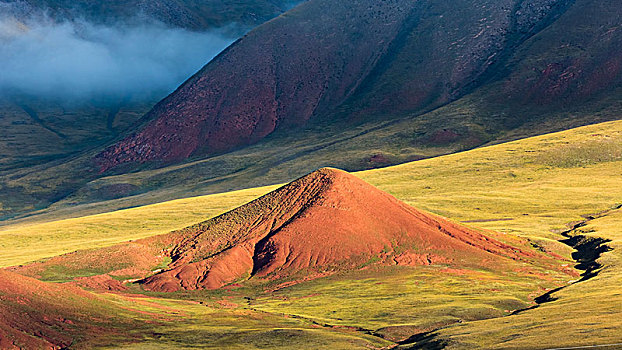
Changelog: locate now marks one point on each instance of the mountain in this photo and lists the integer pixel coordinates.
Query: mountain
(360, 61)
(66, 87)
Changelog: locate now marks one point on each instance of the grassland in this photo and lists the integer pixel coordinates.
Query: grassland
(529, 188)
(588, 313)
(23, 243)
(183, 324)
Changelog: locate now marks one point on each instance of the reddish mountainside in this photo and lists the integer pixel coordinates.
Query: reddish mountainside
(325, 222)
(38, 315)
(347, 60)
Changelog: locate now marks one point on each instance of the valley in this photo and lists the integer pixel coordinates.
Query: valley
(282, 174)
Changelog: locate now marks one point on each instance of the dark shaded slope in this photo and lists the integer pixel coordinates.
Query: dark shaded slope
(195, 15)
(366, 60)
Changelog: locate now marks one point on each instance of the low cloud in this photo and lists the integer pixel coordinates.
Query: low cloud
(78, 60)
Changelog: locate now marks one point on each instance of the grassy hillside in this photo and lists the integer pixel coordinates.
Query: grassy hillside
(37, 131)
(527, 187)
(587, 313)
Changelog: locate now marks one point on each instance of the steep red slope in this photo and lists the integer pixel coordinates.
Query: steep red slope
(278, 75)
(366, 59)
(325, 222)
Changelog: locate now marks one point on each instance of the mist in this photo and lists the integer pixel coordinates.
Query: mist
(81, 61)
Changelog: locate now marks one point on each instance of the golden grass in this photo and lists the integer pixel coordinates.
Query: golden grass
(586, 314)
(527, 187)
(515, 187)
(24, 243)
(190, 325)
(527, 184)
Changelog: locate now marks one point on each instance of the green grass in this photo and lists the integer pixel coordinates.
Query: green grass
(509, 188)
(190, 325)
(420, 298)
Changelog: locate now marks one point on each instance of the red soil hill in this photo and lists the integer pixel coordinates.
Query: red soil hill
(39, 315)
(325, 222)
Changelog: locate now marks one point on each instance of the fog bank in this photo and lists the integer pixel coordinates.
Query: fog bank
(78, 60)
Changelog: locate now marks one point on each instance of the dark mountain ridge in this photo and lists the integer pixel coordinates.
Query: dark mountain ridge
(194, 15)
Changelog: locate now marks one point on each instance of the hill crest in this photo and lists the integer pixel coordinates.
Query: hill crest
(322, 223)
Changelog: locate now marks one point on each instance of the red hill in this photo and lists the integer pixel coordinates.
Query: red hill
(325, 222)
(39, 315)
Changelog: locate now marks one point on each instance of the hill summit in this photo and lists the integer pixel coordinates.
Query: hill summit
(325, 222)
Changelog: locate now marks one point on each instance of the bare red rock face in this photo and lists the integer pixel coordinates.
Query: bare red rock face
(278, 75)
(325, 222)
(349, 60)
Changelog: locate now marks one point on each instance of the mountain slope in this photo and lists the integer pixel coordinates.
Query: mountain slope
(367, 60)
(58, 104)
(38, 315)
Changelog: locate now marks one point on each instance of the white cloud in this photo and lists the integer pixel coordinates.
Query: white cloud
(81, 60)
